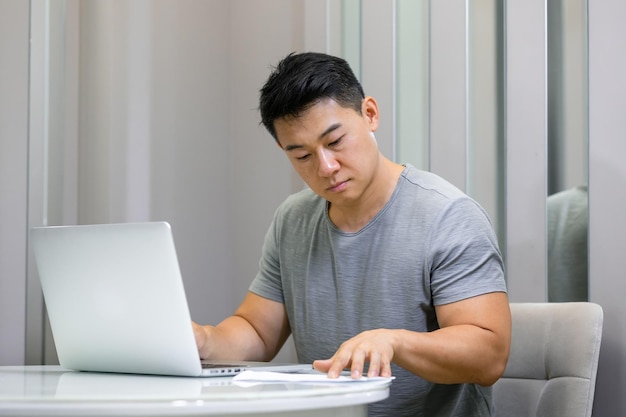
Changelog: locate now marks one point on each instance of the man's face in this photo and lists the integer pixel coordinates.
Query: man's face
(333, 148)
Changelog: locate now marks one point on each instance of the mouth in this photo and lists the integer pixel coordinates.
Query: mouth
(339, 186)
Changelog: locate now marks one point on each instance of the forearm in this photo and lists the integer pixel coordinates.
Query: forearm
(256, 332)
(456, 354)
(232, 339)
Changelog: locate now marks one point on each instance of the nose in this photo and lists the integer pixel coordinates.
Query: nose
(328, 164)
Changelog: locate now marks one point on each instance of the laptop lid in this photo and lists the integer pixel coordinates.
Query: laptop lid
(116, 301)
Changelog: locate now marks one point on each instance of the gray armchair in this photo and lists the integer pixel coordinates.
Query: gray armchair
(553, 363)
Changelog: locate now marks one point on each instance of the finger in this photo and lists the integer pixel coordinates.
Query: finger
(386, 370)
(329, 366)
(339, 362)
(358, 362)
(322, 365)
(375, 363)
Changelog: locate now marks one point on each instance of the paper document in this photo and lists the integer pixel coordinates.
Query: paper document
(260, 376)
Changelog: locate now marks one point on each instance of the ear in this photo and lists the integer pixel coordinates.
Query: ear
(369, 108)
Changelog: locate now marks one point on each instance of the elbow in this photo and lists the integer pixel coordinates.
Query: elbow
(496, 363)
(494, 371)
(491, 377)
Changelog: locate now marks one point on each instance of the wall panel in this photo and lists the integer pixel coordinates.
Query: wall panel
(607, 196)
(378, 67)
(14, 24)
(449, 90)
(526, 130)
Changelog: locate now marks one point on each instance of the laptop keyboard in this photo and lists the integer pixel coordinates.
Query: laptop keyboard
(221, 365)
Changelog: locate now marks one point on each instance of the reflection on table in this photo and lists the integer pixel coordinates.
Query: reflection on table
(51, 391)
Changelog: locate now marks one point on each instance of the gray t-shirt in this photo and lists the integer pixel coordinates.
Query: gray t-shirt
(430, 245)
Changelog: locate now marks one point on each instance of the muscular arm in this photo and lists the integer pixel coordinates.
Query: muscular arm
(472, 345)
(256, 331)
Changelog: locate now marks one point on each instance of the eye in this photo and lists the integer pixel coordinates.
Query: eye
(303, 157)
(335, 142)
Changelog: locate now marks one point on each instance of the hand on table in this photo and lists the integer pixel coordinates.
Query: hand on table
(373, 346)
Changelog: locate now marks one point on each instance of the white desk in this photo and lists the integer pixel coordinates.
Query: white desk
(52, 391)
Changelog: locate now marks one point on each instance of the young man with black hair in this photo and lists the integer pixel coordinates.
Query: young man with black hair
(376, 267)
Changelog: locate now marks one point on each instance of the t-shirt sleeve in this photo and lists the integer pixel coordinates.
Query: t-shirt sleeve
(465, 259)
(267, 282)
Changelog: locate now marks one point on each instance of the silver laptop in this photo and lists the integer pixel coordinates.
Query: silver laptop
(116, 302)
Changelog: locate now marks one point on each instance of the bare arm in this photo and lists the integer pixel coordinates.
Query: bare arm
(472, 345)
(256, 331)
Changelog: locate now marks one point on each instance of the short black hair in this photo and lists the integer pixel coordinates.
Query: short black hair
(301, 80)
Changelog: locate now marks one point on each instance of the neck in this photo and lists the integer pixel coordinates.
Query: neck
(355, 216)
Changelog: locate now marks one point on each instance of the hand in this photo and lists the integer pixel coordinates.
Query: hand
(202, 336)
(373, 346)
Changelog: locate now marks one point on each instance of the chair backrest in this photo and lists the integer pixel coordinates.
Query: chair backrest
(553, 362)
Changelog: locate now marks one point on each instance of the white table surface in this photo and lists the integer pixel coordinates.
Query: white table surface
(53, 391)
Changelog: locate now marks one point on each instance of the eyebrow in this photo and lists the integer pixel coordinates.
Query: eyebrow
(330, 129)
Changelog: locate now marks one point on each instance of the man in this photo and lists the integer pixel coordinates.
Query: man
(377, 267)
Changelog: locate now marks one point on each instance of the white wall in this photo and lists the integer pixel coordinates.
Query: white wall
(259, 176)
(14, 17)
